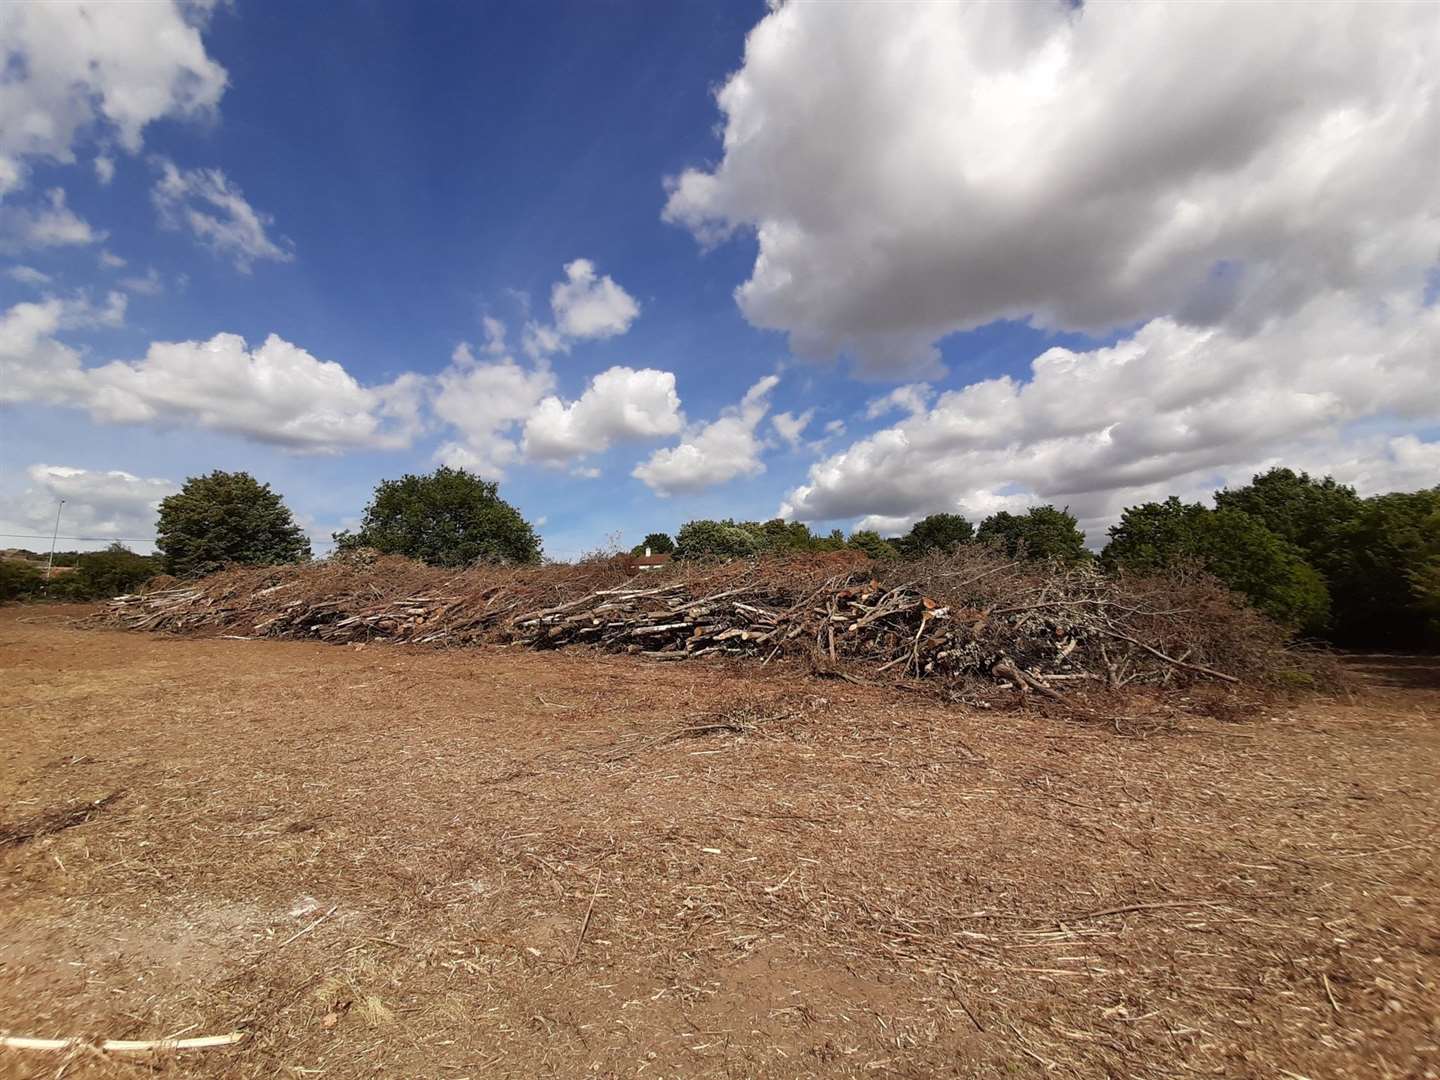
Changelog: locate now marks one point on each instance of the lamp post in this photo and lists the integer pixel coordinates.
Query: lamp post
(54, 536)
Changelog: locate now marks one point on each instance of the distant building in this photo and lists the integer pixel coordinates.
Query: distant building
(638, 564)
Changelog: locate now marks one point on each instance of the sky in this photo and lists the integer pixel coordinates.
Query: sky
(640, 263)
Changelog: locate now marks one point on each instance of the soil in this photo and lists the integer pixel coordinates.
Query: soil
(377, 860)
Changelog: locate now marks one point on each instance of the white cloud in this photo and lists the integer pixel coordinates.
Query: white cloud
(27, 275)
(74, 68)
(98, 503)
(148, 285)
(104, 169)
(277, 393)
(485, 402)
(49, 223)
(713, 453)
(791, 427)
(586, 306)
(1173, 408)
(910, 170)
(619, 404)
(110, 261)
(209, 205)
(910, 398)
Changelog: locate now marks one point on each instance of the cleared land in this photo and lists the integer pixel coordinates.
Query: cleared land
(379, 860)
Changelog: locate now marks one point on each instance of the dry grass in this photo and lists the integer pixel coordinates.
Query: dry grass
(493, 862)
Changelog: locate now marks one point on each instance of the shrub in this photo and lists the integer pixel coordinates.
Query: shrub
(226, 518)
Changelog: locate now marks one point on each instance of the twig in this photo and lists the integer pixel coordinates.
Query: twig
(1170, 659)
(1128, 908)
(302, 933)
(585, 926)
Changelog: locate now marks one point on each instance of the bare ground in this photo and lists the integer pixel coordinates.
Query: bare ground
(382, 861)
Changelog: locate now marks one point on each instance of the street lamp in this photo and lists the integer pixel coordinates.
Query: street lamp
(55, 536)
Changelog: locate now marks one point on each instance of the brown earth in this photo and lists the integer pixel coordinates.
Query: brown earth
(383, 861)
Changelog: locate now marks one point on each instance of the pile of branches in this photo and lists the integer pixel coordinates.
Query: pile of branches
(965, 617)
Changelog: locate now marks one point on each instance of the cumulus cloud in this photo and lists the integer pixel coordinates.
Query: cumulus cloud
(910, 170)
(1173, 408)
(791, 427)
(98, 502)
(485, 402)
(713, 453)
(585, 306)
(104, 169)
(207, 204)
(620, 404)
(44, 224)
(74, 68)
(277, 393)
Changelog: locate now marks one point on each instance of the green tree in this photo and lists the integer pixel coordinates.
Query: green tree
(226, 518)
(1306, 512)
(1268, 570)
(658, 543)
(707, 539)
(872, 543)
(938, 532)
(449, 517)
(1380, 554)
(1041, 533)
(1153, 535)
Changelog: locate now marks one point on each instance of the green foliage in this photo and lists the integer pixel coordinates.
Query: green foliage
(706, 539)
(1154, 535)
(1382, 574)
(872, 544)
(659, 544)
(728, 539)
(1298, 508)
(19, 579)
(1249, 558)
(1042, 533)
(101, 574)
(938, 532)
(1230, 544)
(226, 518)
(449, 517)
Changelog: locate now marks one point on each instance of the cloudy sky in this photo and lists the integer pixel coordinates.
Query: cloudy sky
(645, 262)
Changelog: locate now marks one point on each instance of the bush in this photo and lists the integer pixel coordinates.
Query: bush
(226, 518)
(872, 544)
(1382, 572)
(19, 579)
(449, 517)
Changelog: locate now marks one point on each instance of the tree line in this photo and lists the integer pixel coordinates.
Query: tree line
(1310, 553)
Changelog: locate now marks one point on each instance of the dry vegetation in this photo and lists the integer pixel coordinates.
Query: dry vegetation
(375, 860)
(964, 621)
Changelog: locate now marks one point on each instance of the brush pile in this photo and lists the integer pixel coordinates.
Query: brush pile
(961, 618)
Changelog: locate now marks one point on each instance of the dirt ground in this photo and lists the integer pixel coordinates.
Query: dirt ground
(375, 860)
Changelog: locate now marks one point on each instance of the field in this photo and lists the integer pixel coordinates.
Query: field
(384, 860)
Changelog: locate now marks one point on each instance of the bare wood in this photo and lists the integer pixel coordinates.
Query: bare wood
(122, 1046)
(1170, 659)
(585, 926)
(302, 933)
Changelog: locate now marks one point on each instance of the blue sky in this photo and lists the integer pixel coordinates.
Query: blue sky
(927, 218)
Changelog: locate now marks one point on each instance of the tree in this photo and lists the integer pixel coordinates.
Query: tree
(1298, 508)
(872, 544)
(226, 518)
(1379, 555)
(1041, 533)
(449, 517)
(658, 543)
(938, 532)
(1268, 570)
(706, 539)
(1153, 535)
